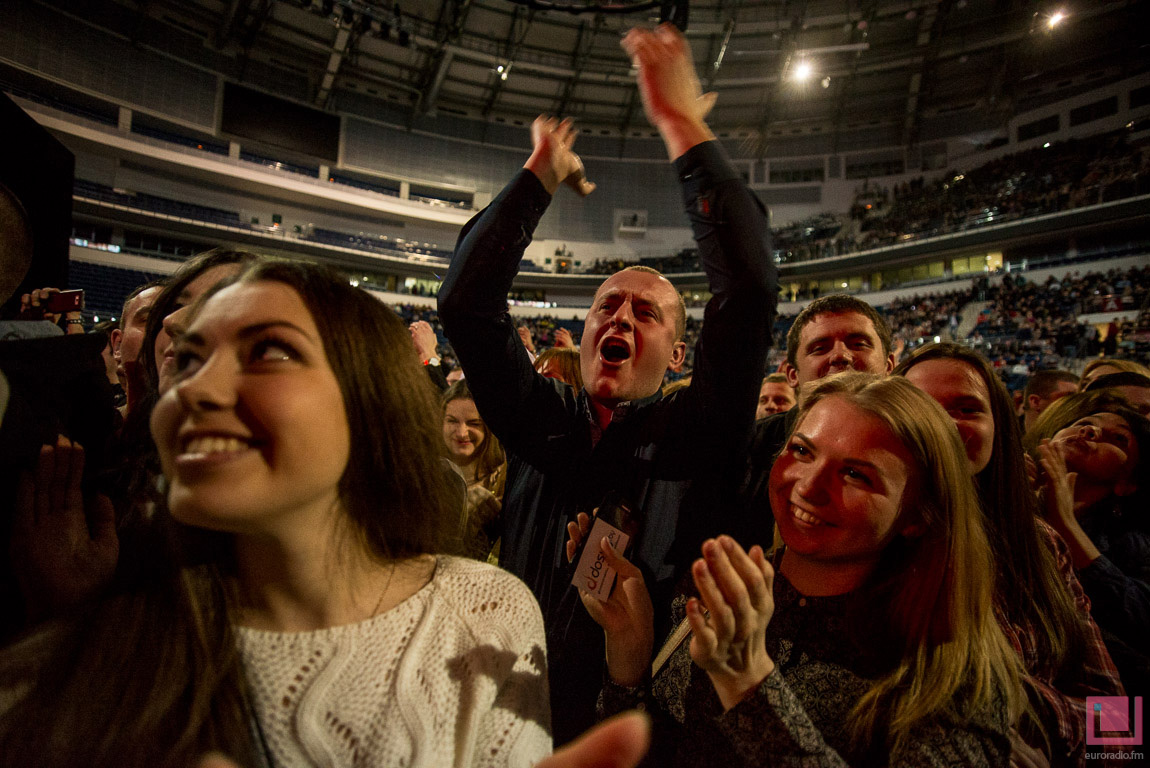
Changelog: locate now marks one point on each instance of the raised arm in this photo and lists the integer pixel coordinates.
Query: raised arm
(730, 227)
(473, 298)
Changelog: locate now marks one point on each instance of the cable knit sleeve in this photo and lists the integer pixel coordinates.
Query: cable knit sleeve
(513, 728)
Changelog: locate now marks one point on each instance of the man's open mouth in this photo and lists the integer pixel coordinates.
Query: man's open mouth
(615, 351)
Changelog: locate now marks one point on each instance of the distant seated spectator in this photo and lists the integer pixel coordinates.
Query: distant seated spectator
(1135, 387)
(1043, 388)
(775, 396)
(562, 364)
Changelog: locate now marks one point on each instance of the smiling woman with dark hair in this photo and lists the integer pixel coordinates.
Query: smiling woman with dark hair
(292, 609)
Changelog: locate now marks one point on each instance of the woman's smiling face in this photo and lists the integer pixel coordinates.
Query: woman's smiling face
(463, 430)
(839, 486)
(253, 433)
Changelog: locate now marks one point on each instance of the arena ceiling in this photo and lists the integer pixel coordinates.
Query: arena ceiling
(908, 68)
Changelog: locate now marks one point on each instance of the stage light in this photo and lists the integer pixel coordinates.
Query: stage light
(802, 71)
(1055, 19)
(827, 81)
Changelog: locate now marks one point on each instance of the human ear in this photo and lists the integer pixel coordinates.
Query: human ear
(792, 377)
(116, 337)
(678, 356)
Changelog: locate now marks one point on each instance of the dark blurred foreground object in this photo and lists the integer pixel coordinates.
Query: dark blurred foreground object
(36, 174)
(56, 386)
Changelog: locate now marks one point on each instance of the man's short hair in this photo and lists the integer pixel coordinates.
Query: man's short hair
(681, 309)
(836, 304)
(1043, 384)
(136, 292)
(776, 378)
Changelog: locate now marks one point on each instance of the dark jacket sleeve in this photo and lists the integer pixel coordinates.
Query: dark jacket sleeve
(1119, 601)
(730, 227)
(473, 310)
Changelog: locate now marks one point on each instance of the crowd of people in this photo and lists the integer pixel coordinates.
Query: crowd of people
(1058, 177)
(301, 537)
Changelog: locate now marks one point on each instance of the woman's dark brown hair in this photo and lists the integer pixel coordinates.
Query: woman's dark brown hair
(150, 674)
(1028, 585)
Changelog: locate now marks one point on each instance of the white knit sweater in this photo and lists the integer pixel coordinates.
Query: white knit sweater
(456, 675)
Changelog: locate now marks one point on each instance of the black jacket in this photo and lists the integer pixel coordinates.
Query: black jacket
(677, 458)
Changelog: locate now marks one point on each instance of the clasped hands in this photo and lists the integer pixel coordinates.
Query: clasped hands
(728, 620)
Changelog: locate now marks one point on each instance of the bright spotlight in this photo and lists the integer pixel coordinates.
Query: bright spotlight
(802, 70)
(1055, 19)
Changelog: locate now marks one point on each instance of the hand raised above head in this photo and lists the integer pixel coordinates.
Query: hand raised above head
(669, 86)
(424, 338)
(563, 339)
(730, 642)
(553, 159)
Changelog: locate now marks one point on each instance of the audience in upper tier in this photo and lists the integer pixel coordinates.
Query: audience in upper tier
(873, 555)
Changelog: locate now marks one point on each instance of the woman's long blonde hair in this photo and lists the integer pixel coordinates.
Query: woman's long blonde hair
(933, 592)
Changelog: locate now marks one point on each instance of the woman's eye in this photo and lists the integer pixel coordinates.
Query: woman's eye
(187, 362)
(272, 351)
(798, 449)
(854, 474)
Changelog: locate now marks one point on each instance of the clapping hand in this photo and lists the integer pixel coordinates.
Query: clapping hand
(563, 339)
(553, 160)
(669, 86)
(730, 642)
(57, 559)
(424, 338)
(525, 336)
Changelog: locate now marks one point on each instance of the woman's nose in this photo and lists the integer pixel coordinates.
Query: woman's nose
(210, 388)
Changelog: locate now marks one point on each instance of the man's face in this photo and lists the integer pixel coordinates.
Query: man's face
(629, 337)
(774, 397)
(1036, 404)
(835, 342)
(126, 343)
